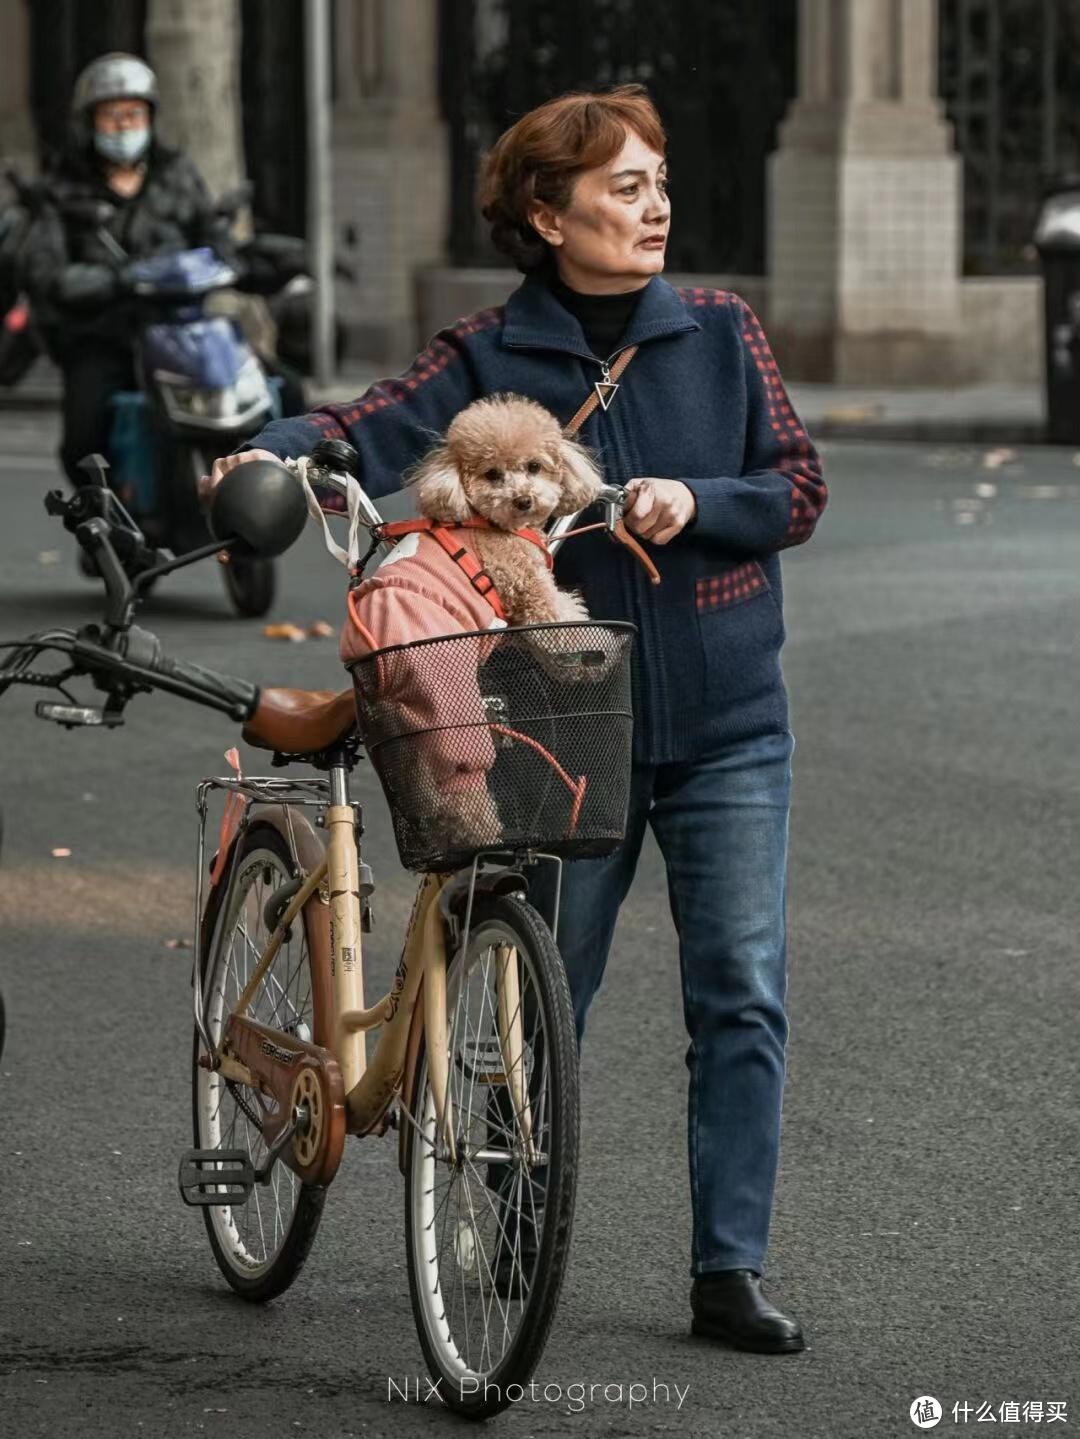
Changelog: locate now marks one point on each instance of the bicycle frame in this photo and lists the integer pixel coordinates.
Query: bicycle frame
(327, 900)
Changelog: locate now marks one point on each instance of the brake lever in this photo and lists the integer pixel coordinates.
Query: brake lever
(613, 507)
(76, 716)
(613, 498)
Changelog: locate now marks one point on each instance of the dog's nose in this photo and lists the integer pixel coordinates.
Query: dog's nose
(523, 504)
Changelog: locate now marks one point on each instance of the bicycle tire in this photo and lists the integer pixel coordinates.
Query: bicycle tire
(519, 921)
(251, 585)
(258, 1282)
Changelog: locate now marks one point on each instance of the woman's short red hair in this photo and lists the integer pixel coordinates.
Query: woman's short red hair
(544, 152)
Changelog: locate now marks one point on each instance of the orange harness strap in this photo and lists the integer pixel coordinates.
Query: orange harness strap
(478, 577)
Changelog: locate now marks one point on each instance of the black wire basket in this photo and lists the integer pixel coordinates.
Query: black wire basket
(510, 739)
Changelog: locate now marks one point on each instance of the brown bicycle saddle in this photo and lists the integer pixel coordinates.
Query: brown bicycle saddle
(300, 721)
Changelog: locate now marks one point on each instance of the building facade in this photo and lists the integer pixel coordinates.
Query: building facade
(865, 172)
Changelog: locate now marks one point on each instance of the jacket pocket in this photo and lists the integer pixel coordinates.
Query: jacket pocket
(730, 587)
(741, 630)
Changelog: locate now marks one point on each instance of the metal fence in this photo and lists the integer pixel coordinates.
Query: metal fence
(721, 72)
(1010, 78)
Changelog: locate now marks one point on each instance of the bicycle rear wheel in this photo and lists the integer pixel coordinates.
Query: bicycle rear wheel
(488, 1233)
(260, 1246)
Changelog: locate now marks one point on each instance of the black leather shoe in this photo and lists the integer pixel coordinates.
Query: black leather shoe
(729, 1305)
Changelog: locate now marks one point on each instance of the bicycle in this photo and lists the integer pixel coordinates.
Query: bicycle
(476, 1063)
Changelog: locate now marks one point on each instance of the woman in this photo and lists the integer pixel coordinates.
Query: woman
(724, 476)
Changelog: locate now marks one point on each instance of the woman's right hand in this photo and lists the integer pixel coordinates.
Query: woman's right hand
(209, 483)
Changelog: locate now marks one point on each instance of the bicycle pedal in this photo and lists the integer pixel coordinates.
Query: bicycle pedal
(216, 1176)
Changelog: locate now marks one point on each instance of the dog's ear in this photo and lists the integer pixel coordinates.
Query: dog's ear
(439, 491)
(581, 480)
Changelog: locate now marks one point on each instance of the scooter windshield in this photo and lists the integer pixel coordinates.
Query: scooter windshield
(208, 353)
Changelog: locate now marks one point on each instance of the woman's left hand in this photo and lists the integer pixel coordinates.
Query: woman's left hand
(659, 509)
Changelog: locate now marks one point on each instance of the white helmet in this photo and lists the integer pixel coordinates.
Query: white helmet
(116, 76)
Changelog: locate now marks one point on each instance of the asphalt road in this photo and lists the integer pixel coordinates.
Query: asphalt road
(925, 1222)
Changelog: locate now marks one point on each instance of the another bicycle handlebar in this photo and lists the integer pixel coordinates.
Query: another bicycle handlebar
(122, 669)
(235, 697)
(121, 658)
(141, 660)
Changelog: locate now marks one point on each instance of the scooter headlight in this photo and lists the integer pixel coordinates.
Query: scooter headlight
(247, 398)
(251, 388)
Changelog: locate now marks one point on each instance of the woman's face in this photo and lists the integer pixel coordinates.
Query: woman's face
(613, 234)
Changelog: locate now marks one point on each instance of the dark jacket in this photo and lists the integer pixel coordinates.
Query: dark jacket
(70, 272)
(702, 402)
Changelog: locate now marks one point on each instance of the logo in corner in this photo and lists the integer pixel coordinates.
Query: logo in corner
(925, 1412)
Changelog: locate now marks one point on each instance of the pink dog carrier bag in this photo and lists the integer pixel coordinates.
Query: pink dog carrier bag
(451, 699)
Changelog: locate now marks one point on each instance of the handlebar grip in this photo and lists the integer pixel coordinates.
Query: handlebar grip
(230, 691)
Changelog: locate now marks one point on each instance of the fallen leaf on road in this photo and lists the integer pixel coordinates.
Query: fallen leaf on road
(61, 853)
(320, 630)
(284, 632)
(1042, 492)
(994, 459)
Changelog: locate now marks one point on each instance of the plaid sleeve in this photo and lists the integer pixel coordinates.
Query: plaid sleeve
(778, 498)
(393, 423)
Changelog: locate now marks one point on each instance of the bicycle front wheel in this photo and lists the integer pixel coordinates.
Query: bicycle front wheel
(488, 1219)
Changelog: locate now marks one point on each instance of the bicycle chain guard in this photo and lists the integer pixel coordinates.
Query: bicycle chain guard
(288, 1072)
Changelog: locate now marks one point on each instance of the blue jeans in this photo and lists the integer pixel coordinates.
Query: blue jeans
(722, 825)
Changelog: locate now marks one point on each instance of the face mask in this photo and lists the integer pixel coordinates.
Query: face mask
(124, 147)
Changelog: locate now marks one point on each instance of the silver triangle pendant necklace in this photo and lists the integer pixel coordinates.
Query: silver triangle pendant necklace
(605, 388)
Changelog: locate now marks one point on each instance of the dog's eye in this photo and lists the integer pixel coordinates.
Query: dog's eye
(494, 475)
(533, 467)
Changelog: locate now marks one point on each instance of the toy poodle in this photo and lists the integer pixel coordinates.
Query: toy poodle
(506, 460)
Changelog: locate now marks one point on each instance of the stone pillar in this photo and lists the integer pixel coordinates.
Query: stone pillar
(865, 202)
(16, 128)
(391, 168)
(194, 46)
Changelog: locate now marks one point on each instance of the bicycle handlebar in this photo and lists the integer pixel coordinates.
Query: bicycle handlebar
(140, 662)
(233, 696)
(333, 463)
(139, 659)
(124, 665)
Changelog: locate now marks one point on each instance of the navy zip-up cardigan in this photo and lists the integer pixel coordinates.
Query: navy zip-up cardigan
(702, 402)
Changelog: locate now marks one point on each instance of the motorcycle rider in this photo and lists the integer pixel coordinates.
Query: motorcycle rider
(116, 194)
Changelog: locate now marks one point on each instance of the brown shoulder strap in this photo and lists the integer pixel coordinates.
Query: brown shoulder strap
(594, 399)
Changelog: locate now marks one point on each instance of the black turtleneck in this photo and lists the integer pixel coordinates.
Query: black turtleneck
(603, 318)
